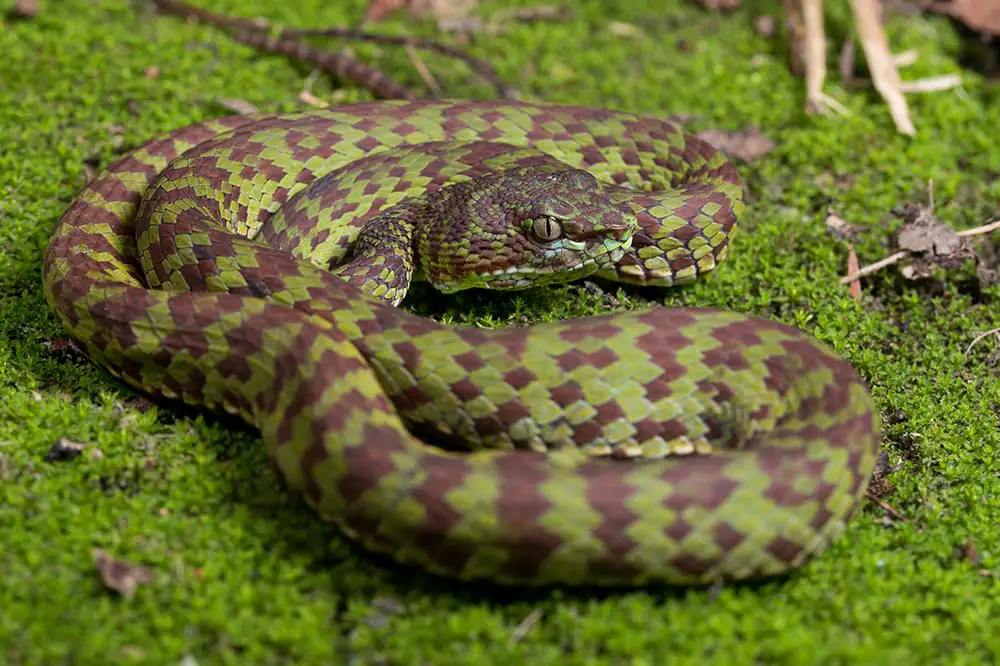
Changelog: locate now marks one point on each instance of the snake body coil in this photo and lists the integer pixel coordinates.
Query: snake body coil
(193, 268)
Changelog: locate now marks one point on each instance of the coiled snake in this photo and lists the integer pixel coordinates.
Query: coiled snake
(672, 445)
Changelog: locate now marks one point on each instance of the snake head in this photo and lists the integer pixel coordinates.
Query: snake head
(522, 228)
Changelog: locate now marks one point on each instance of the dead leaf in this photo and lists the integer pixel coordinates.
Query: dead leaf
(379, 9)
(719, 4)
(62, 346)
(89, 172)
(846, 63)
(930, 242)
(139, 403)
(747, 145)
(26, 9)
(307, 97)
(388, 604)
(840, 227)
(852, 268)
(500, 22)
(117, 134)
(240, 106)
(766, 25)
(64, 449)
(526, 625)
(622, 29)
(883, 468)
(120, 576)
(980, 15)
(967, 551)
(440, 10)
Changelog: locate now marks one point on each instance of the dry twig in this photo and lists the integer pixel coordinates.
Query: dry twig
(903, 254)
(479, 66)
(285, 41)
(885, 76)
(980, 337)
(343, 65)
(809, 53)
(886, 506)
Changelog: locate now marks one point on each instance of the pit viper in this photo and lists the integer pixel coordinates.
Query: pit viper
(254, 264)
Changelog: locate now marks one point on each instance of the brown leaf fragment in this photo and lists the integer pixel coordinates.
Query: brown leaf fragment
(119, 575)
(539, 13)
(526, 625)
(980, 15)
(64, 449)
(26, 9)
(893, 516)
(879, 485)
(840, 227)
(988, 268)
(440, 10)
(240, 106)
(500, 22)
(967, 551)
(718, 4)
(930, 242)
(766, 26)
(622, 29)
(307, 97)
(379, 9)
(852, 268)
(139, 403)
(846, 63)
(747, 145)
(89, 171)
(62, 346)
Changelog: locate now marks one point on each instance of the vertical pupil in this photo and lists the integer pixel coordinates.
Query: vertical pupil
(546, 228)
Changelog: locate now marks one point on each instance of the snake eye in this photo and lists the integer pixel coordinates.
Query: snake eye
(546, 228)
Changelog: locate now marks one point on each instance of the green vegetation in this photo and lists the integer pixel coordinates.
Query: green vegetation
(244, 573)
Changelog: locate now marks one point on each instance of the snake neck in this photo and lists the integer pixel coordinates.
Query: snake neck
(383, 261)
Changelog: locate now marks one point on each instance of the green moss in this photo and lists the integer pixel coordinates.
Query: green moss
(244, 573)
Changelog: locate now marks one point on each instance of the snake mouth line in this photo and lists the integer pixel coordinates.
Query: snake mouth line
(614, 255)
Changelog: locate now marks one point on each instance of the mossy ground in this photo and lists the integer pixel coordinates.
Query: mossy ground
(244, 573)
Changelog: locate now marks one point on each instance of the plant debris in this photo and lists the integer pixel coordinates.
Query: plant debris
(526, 625)
(719, 4)
(983, 16)
(747, 145)
(288, 42)
(766, 26)
(26, 9)
(440, 10)
(64, 449)
(852, 267)
(807, 43)
(967, 551)
(929, 244)
(119, 575)
(878, 485)
(62, 346)
(240, 106)
(499, 22)
(840, 227)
